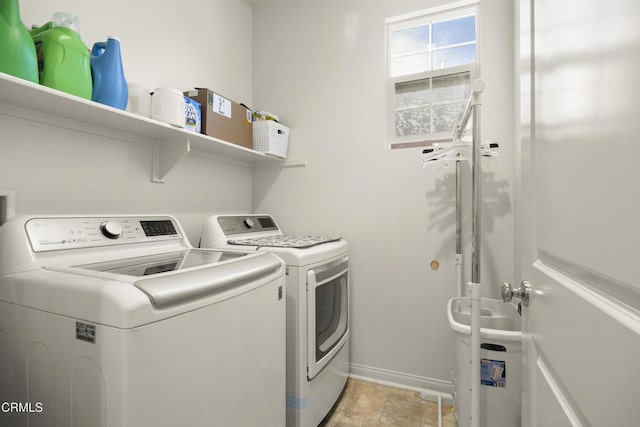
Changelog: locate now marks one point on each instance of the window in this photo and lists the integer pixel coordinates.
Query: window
(431, 63)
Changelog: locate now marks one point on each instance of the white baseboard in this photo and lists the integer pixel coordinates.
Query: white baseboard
(429, 388)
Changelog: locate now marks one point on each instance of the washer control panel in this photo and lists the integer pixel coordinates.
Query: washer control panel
(241, 224)
(51, 234)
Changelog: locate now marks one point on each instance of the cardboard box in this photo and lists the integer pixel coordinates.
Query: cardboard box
(222, 118)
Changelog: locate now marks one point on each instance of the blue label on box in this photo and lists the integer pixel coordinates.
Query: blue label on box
(192, 118)
(493, 373)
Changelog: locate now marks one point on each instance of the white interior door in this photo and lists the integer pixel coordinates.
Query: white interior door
(579, 211)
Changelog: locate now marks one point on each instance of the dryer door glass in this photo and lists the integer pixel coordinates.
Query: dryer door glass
(328, 313)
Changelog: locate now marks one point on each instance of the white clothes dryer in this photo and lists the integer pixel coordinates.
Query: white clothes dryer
(117, 321)
(317, 307)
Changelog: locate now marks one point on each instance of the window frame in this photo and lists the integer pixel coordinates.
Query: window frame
(430, 17)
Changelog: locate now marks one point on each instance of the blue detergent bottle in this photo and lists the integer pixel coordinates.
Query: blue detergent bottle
(109, 84)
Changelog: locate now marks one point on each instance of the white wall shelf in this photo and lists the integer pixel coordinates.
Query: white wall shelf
(170, 144)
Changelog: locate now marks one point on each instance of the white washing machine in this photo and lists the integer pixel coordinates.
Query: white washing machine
(317, 307)
(117, 322)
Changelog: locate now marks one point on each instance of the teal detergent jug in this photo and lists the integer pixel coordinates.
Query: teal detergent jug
(17, 51)
(109, 84)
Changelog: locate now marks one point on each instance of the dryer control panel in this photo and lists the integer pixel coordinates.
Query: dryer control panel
(241, 224)
(59, 233)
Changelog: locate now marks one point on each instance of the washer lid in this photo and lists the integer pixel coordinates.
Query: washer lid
(180, 277)
(155, 264)
(193, 284)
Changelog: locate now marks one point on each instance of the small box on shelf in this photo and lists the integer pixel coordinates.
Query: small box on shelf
(222, 118)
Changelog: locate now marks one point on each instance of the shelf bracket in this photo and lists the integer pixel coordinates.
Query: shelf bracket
(166, 155)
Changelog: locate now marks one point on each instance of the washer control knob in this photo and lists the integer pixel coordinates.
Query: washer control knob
(249, 222)
(111, 229)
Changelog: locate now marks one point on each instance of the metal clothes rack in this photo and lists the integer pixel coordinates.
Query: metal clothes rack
(458, 151)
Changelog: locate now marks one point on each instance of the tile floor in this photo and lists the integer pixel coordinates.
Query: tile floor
(366, 404)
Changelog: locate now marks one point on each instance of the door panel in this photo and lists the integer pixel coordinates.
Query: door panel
(586, 348)
(549, 396)
(587, 58)
(578, 154)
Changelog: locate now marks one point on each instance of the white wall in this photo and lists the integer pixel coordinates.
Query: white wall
(167, 43)
(55, 170)
(321, 67)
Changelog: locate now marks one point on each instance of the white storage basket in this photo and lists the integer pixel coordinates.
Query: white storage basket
(271, 138)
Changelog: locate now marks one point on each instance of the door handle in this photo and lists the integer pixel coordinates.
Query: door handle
(507, 292)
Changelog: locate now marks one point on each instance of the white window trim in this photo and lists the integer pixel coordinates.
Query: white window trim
(444, 12)
(444, 9)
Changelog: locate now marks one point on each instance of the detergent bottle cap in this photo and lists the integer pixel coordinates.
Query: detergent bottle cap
(61, 19)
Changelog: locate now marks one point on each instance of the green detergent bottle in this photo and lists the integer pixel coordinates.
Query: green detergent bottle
(63, 59)
(17, 52)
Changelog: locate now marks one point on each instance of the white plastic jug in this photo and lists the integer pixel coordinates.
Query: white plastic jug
(167, 105)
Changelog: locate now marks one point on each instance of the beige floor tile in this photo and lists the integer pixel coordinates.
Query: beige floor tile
(365, 404)
(431, 414)
(448, 416)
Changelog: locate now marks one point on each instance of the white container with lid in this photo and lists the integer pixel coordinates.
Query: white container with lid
(139, 99)
(167, 105)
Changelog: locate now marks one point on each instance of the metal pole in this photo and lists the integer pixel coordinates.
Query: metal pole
(475, 186)
(458, 209)
(475, 294)
(459, 257)
(458, 132)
